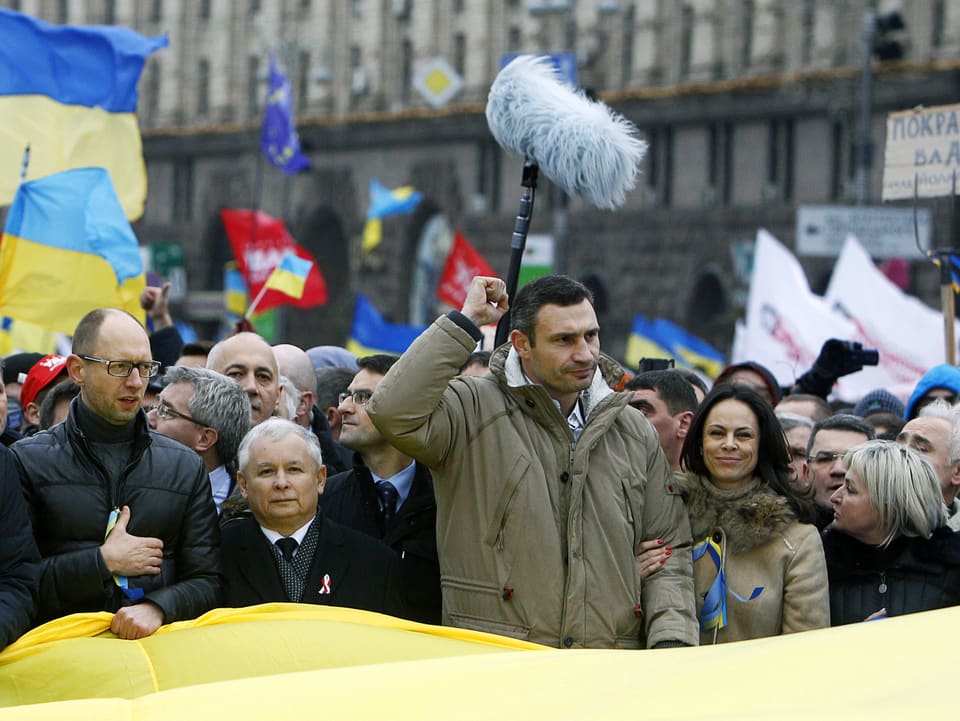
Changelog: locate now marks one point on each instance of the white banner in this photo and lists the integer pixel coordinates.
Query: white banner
(907, 332)
(786, 322)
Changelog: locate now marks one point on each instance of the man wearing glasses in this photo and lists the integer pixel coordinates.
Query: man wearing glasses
(209, 413)
(829, 440)
(123, 516)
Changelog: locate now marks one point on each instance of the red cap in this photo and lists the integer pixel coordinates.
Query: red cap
(42, 374)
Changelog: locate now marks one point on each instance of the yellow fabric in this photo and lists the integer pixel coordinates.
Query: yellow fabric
(23, 336)
(286, 282)
(372, 234)
(223, 644)
(54, 287)
(71, 136)
(884, 670)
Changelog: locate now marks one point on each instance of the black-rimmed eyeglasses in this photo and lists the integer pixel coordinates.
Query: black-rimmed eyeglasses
(123, 368)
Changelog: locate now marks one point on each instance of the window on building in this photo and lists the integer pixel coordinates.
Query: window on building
(303, 79)
(110, 12)
(203, 87)
(659, 172)
(253, 85)
(939, 21)
(156, 11)
(686, 39)
(63, 11)
(253, 9)
(808, 28)
(206, 9)
(513, 39)
(838, 159)
(458, 6)
(626, 57)
(460, 53)
(406, 70)
(780, 160)
(746, 47)
(152, 94)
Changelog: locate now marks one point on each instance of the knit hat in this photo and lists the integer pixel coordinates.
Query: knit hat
(43, 373)
(769, 380)
(326, 356)
(17, 363)
(878, 401)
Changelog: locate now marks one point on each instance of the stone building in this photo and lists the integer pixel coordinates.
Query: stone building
(750, 107)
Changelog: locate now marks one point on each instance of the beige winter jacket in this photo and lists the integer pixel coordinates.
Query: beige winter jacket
(762, 546)
(537, 533)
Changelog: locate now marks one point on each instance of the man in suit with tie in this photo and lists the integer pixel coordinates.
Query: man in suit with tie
(287, 550)
(387, 495)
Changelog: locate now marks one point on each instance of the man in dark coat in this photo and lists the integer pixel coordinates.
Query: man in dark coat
(383, 476)
(286, 550)
(19, 559)
(123, 517)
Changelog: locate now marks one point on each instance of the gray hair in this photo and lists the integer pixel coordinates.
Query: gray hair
(277, 429)
(789, 421)
(941, 409)
(289, 400)
(902, 486)
(218, 402)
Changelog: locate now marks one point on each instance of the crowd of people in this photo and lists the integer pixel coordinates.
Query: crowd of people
(539, 491)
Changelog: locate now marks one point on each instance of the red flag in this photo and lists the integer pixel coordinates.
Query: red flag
(258, 253)
(463, 263)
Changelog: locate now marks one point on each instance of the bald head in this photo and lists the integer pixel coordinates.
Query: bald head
(249, 360)
(294, 363)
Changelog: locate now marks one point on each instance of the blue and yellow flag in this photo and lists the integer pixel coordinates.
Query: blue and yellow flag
(644, 343)
(280, 142)
(235, 296)
(70, 94)
(290, 275)
(67, 249)
(385, 202)
(688, 349)
(371, 334)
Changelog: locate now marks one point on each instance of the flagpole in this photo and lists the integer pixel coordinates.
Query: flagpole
(25, 164)
(256, 302)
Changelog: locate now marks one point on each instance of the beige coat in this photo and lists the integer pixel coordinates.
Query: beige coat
(536, 532)
(764, 547)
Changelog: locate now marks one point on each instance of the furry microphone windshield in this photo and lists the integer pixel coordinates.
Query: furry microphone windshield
(582, 146)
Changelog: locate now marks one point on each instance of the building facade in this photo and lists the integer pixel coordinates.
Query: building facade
(750, 108)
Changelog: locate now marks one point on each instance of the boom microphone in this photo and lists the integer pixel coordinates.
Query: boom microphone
(581, 145)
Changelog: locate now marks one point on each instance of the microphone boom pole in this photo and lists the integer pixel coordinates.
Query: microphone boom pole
(518, 241)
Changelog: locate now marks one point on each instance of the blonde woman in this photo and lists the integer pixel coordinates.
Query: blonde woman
(888, 550)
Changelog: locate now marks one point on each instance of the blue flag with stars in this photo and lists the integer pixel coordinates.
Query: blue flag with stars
(280, 142)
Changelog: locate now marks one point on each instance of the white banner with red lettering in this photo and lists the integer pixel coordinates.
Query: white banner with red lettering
(787, 323)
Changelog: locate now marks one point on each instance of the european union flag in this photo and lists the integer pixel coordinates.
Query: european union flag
(280, 142)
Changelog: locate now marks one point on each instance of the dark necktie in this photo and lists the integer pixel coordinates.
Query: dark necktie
(388, 500)
(287, 547)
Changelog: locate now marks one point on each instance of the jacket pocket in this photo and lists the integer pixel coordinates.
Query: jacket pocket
(506, 504)
(478, 606)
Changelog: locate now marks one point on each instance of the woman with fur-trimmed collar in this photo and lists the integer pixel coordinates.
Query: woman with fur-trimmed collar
(759, 568)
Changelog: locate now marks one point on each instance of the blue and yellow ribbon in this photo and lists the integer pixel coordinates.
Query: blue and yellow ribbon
(714, 612)
(134, 594)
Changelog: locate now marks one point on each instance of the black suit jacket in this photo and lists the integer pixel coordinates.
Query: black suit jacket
(351, 499)
(364, 573)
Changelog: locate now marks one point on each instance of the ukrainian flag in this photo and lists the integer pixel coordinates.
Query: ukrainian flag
(371, 334)
(688, 349)
(644, 343)
(290, 275)
(385, 202)
(68, 249)
(70, 94)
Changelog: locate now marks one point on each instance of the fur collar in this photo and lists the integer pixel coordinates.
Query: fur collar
(749, 517)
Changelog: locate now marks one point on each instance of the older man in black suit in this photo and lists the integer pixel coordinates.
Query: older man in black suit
(286, 550)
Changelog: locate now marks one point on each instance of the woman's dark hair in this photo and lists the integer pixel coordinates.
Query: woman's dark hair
(773, 454)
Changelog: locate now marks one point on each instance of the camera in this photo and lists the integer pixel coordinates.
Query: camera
(856, 354)
(654, 364)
